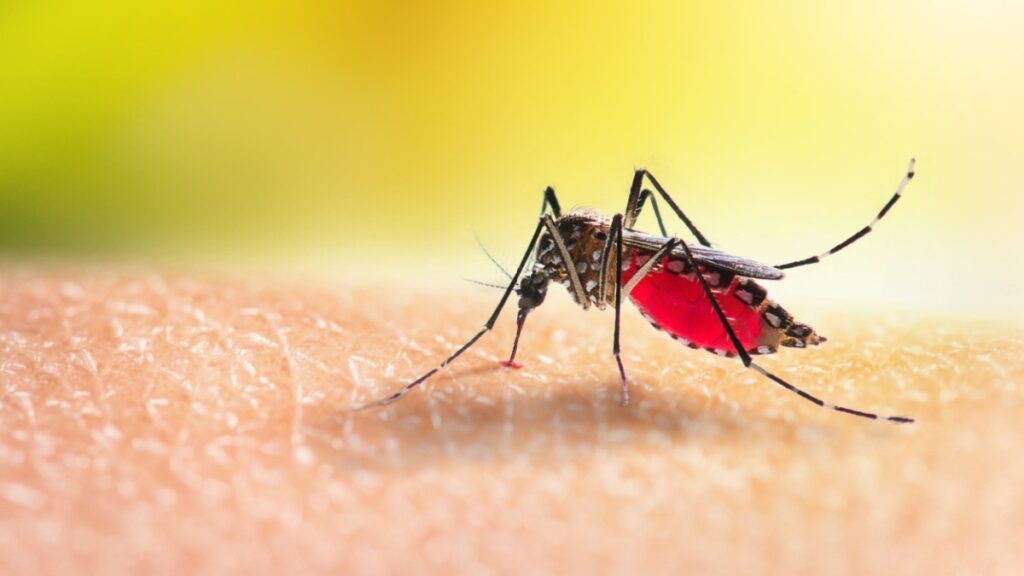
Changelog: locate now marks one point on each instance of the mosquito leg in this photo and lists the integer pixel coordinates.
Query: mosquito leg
(487, 327)
(570, 266)
(606, 254)
(615, 238)
(551, 200)
(646, 194)
(747, 362)
(863, 231)
(615, 232)
(643, 271)
(634, 204)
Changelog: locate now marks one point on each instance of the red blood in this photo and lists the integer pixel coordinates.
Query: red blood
(512, 365)
(678, 304)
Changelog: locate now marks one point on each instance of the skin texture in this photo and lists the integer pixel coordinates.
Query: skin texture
(178, 422)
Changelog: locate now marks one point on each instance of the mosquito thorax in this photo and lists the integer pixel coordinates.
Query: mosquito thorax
(584, 233)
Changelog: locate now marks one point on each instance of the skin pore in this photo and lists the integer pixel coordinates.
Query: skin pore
(168, 422)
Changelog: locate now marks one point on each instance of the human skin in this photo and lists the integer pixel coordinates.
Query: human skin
(181, 422)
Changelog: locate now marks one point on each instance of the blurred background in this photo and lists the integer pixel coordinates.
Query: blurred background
(374, 138)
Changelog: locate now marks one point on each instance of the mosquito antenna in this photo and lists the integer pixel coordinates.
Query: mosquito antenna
(488, 284)
(492, 258)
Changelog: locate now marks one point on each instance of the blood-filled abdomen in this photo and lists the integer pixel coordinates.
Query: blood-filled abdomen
(672, 299)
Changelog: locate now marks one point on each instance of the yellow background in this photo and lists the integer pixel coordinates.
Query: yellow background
(376, 137)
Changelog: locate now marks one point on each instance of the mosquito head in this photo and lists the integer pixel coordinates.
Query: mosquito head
(532, 290)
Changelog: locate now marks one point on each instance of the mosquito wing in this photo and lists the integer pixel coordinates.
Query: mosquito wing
(704, 255)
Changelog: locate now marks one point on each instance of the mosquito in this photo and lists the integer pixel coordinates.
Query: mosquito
(702, 297)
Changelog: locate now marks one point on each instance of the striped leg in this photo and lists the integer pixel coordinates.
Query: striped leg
(863, 231)
(487, 328)
(749, 363)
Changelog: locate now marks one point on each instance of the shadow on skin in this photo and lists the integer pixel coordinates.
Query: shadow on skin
(566, 419)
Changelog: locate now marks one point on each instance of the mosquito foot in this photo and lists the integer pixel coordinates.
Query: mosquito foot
(511, 364)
